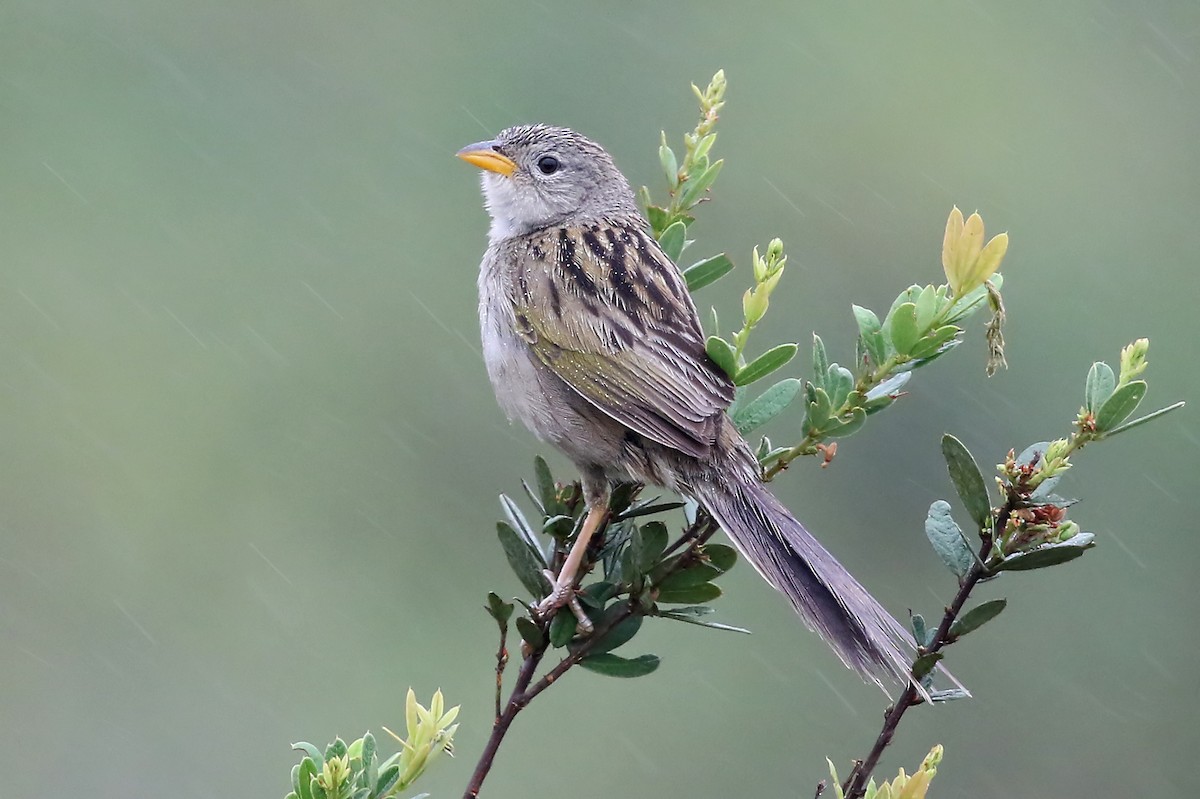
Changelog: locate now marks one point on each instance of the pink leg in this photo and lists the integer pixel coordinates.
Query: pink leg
(563, 589)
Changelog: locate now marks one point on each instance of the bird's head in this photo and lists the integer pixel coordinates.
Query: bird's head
(538, 176)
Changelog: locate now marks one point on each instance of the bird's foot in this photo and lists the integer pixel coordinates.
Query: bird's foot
(563, 593)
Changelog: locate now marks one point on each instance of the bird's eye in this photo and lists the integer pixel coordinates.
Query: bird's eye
(548, 164)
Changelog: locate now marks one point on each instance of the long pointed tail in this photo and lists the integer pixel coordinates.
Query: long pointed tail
(831, 602)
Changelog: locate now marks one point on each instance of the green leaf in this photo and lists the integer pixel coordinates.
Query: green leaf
(521, 525)
(628, 571)
(931, 345)
(763, 365)
(311, 751)
(387, 779)
(562, 628)
(910, 295)
(368, 757)
(879, 403)
(645, 508)
(337, 748)
(923, 665)
(868, 322)
(689, 618)
(721, 556)
(723, 354)
(976, 617)
(847, 425)
(924, 360)
(658, 219)
(1101, 382)
(620, 634)
(546, 488)
(817, 411)
(612, 665)
(968, 481)
(927, 306)
(535, 498)
(559, 527)
(766, 406)
(308, 770)
(594, 595)
(947, 538)
(839, 382)
(522, 560)
(647, 546)
(623, 495)
(498, 609)
(871, 332)
(820, 361)
(666, 157)
(1084, 540)
(949, 695)
(920, 633)
(672, 239)
(614, 549)
(1137, 422)
(890, 388)
(1050, 555)
(863, 362)
(833, 778)
(710, 270)
(530, 632)
(696, 185)
(705, 592)
(1120, 405)
(694, 574)
(903, 328)
(693, 611)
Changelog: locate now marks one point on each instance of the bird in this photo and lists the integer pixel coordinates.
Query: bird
(592, 341)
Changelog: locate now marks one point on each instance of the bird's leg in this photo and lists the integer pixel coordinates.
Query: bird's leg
(563, 590)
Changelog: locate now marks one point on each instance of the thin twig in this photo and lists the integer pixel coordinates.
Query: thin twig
(698, 532)
(522, 694)
(525, 690)
(855, 785)
(501, 662)
(503, 722)
(585, 649)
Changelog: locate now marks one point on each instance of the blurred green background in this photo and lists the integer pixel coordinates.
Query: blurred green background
(250, 455)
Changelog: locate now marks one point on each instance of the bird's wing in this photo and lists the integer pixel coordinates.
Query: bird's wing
(607, 311)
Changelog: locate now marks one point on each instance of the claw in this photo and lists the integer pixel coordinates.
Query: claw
(562, 591)
(564, 594)
(584, 625)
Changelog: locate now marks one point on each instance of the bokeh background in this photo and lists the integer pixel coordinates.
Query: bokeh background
(249, 455)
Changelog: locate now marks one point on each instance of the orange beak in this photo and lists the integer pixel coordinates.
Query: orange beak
(485, 156)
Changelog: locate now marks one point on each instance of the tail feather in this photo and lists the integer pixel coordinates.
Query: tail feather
(827, 597)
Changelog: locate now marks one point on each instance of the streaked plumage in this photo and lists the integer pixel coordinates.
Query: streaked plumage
(592, 341)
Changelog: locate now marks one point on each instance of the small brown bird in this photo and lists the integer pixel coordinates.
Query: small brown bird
(592, 340)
